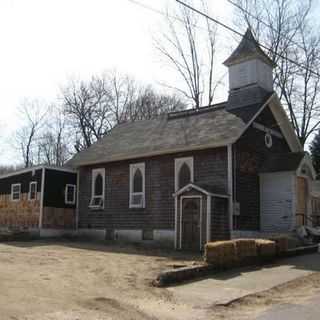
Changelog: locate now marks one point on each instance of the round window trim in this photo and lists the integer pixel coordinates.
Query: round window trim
(268, 140)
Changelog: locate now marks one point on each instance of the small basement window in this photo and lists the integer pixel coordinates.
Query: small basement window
(137, 185)
(97, 189)
(70, 194)
(32, 190)
(15, 192)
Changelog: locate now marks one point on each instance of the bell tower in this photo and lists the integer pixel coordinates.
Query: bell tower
(250, 73)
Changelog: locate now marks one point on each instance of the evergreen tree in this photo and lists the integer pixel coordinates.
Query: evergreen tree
(315, 153)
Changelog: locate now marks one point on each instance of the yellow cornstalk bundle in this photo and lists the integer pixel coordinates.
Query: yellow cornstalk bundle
(246, 248)
(266, 248)
(221, 253)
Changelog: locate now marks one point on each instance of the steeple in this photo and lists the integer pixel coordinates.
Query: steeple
(250, 73)
(248, 49)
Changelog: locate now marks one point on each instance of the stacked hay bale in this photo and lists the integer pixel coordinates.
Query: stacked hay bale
(246, 250)
(221, 254)
(266, 249)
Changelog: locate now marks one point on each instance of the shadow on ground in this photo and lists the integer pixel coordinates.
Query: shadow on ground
(111, 247)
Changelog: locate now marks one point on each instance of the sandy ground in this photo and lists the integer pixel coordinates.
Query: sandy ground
(69, 281)
(89, 281)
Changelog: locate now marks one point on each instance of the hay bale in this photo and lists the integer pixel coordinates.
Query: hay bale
(246, 248)
(282, 244)
(266, 248)
(221, 254)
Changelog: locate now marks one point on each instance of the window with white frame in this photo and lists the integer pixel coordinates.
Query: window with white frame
(15, 192)
(137, 185)
(32, 190)
(70, 194)
(97, 189)
(183, 172)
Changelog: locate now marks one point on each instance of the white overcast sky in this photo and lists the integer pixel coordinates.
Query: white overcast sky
(44, 42)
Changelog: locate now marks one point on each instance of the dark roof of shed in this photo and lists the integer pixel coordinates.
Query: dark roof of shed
(207, 127)
(283, 162)
(248, 48)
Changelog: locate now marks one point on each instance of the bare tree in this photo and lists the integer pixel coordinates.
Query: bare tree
(95, 107)
(190, 48)
(285, 26)
(53, 146)
(33, 115)
(86, 107)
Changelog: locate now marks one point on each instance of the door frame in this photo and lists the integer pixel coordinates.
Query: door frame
(181, 214)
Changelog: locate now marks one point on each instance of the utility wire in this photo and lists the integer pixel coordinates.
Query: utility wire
(166, 15)
(225, 26)
(264, 23)
(243, 36)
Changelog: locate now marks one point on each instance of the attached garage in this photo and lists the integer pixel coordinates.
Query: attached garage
(285, 198)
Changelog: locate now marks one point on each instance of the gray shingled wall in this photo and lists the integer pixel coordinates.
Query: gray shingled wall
(250, 153)
(210, 167)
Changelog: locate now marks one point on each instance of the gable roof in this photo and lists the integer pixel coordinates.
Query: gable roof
(247, 49)
(188, 130)
(207, 127)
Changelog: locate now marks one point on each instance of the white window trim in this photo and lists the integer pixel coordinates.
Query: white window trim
(94, 174)
(133, 168)
(12, 186)
(29, 193)
(66, 194)
(178, 162)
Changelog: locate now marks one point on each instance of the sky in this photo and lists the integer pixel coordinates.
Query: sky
(46, 42)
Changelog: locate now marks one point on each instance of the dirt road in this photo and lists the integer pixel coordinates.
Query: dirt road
(80, 281)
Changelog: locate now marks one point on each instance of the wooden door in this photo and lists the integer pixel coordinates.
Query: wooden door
(191, 224)
(302, 194)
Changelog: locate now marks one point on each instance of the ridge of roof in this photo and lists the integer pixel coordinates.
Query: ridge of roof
(247, 49)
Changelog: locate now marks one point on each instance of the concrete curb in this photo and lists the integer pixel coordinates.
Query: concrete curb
(177, 276)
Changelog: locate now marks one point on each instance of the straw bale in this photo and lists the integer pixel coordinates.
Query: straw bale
(266, 248)
(221, 253)
(246, 248)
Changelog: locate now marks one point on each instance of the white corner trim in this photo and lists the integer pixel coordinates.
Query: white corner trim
(178, 163)
(208, 219)
(230, 186)
(176, 223)
(285, 124)
(42, 197)
(77, 202)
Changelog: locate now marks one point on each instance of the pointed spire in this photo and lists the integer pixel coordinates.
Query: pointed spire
(248, 49)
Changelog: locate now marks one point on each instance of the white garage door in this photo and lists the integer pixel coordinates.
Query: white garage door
(276, 205)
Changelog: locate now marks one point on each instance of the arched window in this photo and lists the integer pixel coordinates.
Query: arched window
(183, 172)
(137, 181)
(184, 176)
(97, 189)
(98, 185)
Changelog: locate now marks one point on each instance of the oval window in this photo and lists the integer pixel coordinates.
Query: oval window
(268, 140)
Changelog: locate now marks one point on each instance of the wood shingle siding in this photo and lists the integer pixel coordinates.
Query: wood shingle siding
(210, 167)
(249, 156)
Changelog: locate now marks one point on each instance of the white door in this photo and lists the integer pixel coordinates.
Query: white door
(276, 202)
